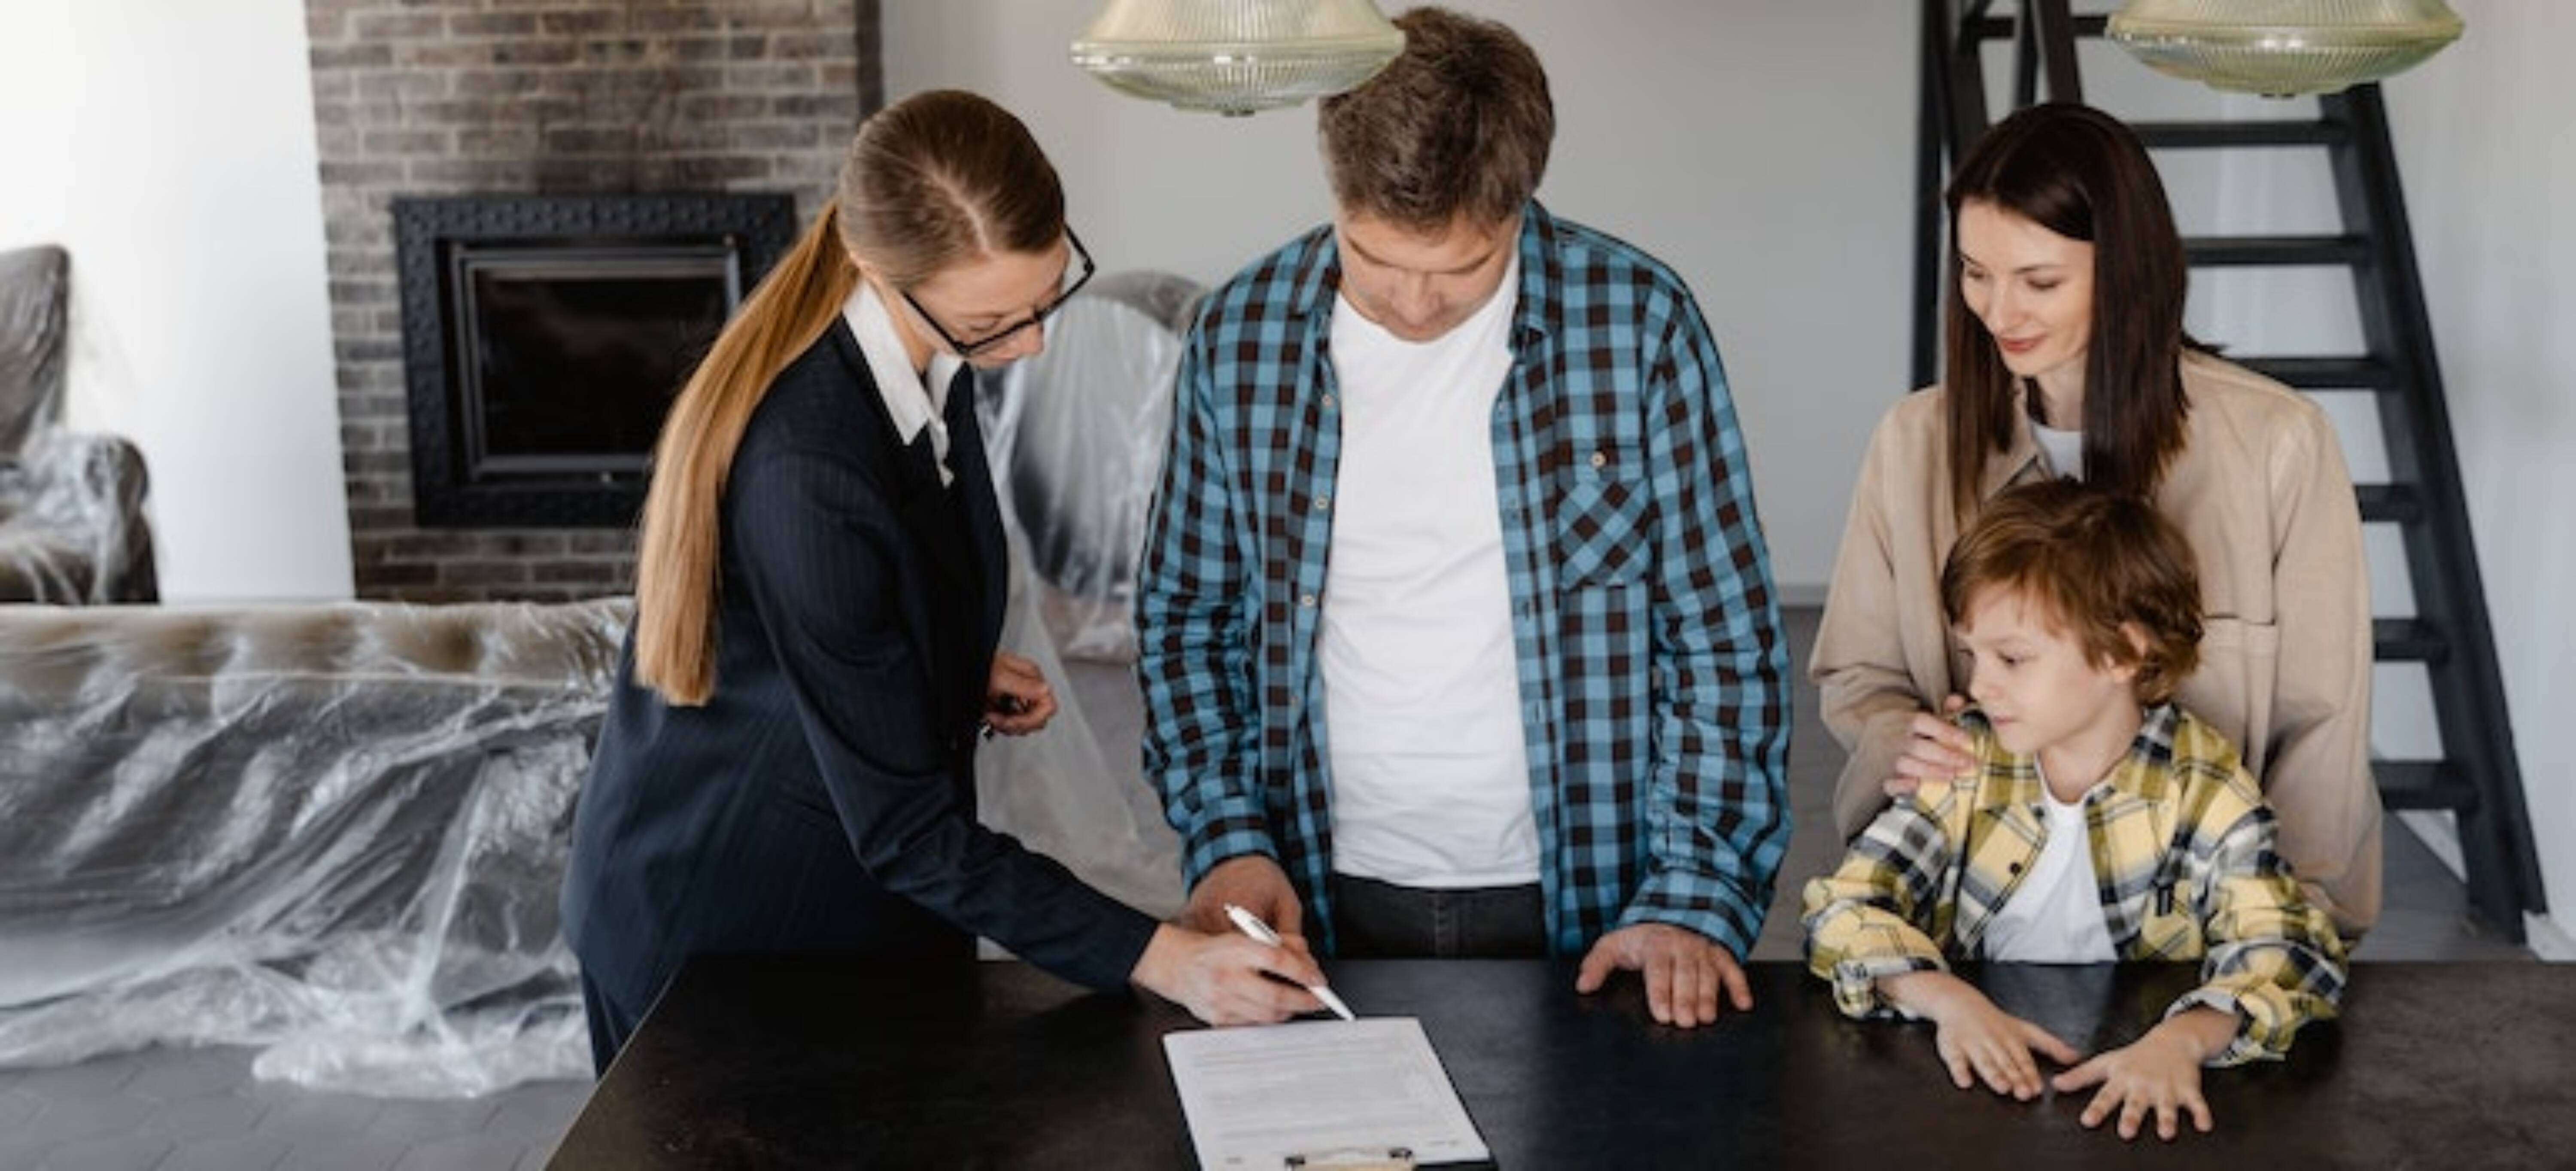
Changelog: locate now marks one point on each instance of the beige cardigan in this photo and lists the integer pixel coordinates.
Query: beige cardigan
(2261, 492)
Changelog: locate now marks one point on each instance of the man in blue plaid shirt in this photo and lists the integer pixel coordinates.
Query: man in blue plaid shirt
(1466, 477)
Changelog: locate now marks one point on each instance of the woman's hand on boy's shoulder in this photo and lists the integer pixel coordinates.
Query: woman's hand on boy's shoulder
(1936, 749)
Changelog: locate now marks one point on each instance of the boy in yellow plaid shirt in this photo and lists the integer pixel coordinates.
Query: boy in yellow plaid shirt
(2102, 823)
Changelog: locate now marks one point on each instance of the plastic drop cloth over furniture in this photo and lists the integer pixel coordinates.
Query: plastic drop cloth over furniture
(333, 832)
(1076, 436)
(72, 528)
(338, 832)
(1084, 425)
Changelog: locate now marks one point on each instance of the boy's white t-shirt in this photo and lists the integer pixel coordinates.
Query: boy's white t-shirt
(1423, 732)
(2055, 915)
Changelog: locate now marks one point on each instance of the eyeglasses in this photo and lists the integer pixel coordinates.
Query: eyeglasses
(966, 349)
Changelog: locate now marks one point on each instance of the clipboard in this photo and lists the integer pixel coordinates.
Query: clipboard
(1366, 1095)
(1387, 1159)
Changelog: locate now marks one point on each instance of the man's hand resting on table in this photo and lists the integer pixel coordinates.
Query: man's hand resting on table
(1685, 972)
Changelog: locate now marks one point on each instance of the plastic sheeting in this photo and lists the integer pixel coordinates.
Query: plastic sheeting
(1084, 426)
(335, 833)
(71, 522)
(1077, 435)
(1076, 791)
(35, 316)
(71, 505)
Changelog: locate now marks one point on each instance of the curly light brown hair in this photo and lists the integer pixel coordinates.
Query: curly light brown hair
(2103, 567)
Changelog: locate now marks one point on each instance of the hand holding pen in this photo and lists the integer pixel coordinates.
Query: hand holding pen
(1227, 978)
(1252, 925)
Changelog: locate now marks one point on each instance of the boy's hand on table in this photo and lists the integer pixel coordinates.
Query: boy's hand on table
(1978, 1041)
(2159, 1072)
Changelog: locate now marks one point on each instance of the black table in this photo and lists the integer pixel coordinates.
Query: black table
(818, 1063)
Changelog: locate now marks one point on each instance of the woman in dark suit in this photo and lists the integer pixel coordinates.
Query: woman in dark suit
(788, 763)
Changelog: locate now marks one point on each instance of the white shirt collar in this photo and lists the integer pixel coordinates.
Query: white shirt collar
(913, 404)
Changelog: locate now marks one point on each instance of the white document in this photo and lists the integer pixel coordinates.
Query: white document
(1318, 1089)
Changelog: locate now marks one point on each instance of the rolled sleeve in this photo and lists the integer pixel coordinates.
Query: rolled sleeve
(2274, 959)
(1717, 815)
(1876, 914)
(1194, 588)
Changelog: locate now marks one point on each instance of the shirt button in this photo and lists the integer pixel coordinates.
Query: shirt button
(1600, 459)
(1328, 402)
(1306, 600)
(1323, 504)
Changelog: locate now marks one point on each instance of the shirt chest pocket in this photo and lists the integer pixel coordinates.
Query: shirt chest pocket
(2169, 915)
(1603, 518)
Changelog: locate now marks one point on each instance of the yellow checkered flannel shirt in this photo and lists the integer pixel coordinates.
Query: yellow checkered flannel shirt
(2182, 846)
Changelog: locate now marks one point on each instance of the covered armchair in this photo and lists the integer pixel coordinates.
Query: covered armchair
(72, 528)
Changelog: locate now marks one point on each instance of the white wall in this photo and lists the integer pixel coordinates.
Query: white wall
(1763, 149)
(169, 146)
(2490, 173)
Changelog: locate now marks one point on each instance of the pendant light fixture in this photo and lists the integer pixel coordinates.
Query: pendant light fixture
(2283, 47)
(1236, 56)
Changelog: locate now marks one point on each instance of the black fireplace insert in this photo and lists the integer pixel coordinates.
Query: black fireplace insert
(544, 335)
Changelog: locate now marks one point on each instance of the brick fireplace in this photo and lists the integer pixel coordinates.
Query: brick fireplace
(424, 98)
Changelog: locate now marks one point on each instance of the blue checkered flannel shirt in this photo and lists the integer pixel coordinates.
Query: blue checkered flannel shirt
(1652, 672)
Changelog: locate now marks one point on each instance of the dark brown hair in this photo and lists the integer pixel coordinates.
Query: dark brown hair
(936, 180)
(2098, 563)
(2080, 173)
(1458, 125)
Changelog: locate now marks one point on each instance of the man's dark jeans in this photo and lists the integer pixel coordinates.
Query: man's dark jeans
(1380, 920)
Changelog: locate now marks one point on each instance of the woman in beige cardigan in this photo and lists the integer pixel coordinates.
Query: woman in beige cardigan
(2066, 356)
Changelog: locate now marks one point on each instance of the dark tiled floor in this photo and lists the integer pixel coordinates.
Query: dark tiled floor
(200, 1109)
(168, 1110)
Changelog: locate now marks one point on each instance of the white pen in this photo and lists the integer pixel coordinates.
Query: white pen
(1254, 927)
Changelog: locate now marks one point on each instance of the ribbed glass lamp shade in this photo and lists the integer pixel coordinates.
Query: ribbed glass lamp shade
(1236, 56)
(2283, 47)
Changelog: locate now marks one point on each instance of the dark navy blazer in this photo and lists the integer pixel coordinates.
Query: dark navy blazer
(824, 798)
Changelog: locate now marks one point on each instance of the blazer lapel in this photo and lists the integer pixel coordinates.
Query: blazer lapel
(974, 489)
(921, 506)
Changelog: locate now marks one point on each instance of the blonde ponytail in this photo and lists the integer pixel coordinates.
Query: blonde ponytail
(676, 569)
(938, 179)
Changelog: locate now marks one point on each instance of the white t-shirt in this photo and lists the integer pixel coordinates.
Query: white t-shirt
(1423, 734)
(2055, 915)
(2064, 449)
